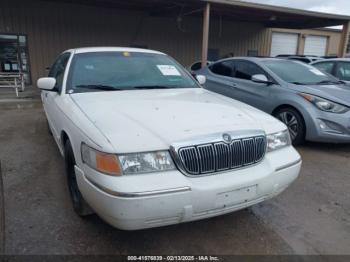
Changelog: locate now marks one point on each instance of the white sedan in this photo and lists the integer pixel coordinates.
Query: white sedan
(145, 146)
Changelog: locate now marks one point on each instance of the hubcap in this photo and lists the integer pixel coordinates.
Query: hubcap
(292, 123)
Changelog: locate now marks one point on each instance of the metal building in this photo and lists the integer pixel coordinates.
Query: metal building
(33, 33)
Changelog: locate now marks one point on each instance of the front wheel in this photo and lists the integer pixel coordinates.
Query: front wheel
(79, 204)
(48, 128)
(295, 123)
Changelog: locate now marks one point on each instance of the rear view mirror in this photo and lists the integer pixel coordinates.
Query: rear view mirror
(46, 83)
(260, 78)
(201, 79)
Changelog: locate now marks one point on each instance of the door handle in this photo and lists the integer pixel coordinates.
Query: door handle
(45, 95)
(233, 84)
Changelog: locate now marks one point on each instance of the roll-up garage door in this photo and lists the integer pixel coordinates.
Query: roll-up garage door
(284, 44)
(315, 45)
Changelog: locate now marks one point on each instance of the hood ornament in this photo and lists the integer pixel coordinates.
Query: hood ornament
(227, 138)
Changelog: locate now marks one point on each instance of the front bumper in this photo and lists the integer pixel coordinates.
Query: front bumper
(152, 200)
(327, 127)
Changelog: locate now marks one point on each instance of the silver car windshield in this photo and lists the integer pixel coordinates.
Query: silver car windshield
(299, 73)
(112, 71)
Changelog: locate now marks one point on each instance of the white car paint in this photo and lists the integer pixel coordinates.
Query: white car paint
(148, 120)
(184, 114)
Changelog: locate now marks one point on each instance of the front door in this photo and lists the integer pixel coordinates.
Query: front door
(50, 98)
(252, 93)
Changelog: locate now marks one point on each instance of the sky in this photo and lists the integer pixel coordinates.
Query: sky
(340, 7)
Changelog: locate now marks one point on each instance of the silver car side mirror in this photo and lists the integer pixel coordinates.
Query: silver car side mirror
(201, 79)
(260, 78)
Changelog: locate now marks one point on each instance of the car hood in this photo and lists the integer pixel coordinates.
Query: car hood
(336, 93)
(146, 120)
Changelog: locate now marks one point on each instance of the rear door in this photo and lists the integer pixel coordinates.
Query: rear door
(247, 91)
(219, 78)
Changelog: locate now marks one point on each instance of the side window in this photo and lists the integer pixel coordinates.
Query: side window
(325, 66)
(343, 71)
(224, 68)
(245, 70)
(196, 66)
(304, 60)
(57, 70)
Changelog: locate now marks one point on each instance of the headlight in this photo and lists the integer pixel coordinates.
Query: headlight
(102, 162)
(278, 140)
(127, 164)
(146, 162)
(324, 104)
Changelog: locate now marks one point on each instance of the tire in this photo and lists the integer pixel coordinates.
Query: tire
(48, 128)
(295, 123)
(79, 204)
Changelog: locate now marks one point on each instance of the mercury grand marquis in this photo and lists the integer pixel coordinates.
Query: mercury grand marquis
(146, 146)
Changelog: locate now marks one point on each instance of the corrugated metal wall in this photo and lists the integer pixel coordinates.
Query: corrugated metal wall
(53, 27)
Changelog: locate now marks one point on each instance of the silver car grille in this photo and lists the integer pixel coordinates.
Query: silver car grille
(220, 156)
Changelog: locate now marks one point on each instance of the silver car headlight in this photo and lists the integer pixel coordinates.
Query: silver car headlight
(149, 162)
(278, 140)
(324, 104)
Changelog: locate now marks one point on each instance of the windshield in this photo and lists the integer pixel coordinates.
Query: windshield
(112, 71)
(299, 73)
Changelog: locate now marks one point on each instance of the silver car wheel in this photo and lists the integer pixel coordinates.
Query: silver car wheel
(292, 123)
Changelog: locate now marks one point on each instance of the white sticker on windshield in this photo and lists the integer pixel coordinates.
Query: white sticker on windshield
(317, 72)
(168, 70)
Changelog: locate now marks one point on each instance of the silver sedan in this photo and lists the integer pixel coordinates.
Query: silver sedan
(314, 105)
(338, 67)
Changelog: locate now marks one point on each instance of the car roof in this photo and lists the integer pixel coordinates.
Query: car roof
(298, 56)
(112, 49)
(332, 59)
(253, 59)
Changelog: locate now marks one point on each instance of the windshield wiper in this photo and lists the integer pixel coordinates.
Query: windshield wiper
(99, 87)
(153, 87)
(298, 83)
(329, 82)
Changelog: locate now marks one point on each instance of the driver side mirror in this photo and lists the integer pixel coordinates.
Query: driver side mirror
(47, 83)
(201, 79)
(260, 78)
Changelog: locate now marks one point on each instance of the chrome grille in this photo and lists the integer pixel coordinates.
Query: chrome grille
(220, 156)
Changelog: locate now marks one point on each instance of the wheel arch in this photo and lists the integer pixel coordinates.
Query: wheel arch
(287, 106)
(64, 138)
(282, 106)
